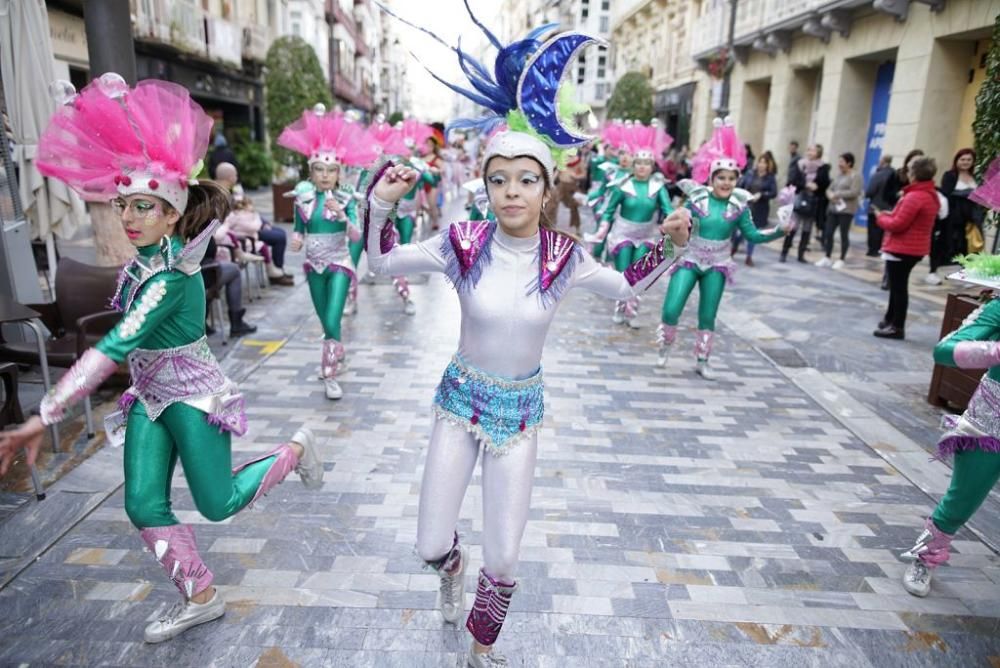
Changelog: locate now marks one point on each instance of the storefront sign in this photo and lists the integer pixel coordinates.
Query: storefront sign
(69, 37)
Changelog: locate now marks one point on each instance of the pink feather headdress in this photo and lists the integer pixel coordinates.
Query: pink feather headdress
(612, 134)
(113, 140)
(388, 140)
(329, 138)
(415, 133)
(723, 151)
(646, 141)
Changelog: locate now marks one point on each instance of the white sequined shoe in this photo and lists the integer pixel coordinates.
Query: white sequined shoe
(917, 579)
(453, 590)
(705, 370)
(333, 390)
(491, 659)
(618, 317)
(182, 616)
(310, 466)
(409, 308)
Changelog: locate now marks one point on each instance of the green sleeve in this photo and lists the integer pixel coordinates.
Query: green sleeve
(430, 179)
(750, 231)
(613, 203)
(663, 201)
(984, 326)
(475, 214)
(161, 297)
(596, 192)
(351, 211)
(300, 225)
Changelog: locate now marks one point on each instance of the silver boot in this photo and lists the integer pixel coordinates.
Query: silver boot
(310, 466)
(453, 589)
(917, 579)
(491, 659)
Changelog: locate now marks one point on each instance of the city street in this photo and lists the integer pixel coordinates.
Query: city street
(751, 521)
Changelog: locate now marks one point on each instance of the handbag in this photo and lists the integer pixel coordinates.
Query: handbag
(805, 204)
(974, 238)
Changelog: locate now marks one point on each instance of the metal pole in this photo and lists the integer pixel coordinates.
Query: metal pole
(724, 102)
(110, 47)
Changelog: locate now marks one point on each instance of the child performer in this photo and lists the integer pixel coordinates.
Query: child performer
(717, 210)
(510, 277)
(141, 146)
(325, 218)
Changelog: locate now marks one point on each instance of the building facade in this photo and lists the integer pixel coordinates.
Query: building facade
(856, 75)
(352, 38)
(653, 37)
(307, 19)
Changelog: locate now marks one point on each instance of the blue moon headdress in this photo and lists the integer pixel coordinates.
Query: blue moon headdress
(524, 89)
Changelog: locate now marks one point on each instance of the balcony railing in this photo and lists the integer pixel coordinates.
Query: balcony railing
(256, 41)
(179, 23)
(753, 19)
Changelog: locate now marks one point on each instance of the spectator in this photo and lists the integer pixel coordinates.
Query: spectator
(230, 277)
(220, 153)
(275, 237)
(246, 223)
(875, 192)
(751, 158)
(843, 194)
(961, 231)
(793, 163)
(812, 180)
(908, 230)
(762, 184)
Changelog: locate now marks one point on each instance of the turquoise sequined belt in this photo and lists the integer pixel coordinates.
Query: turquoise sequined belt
(499, 411)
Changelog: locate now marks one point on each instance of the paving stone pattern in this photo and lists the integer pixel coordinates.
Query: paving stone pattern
(674, 522)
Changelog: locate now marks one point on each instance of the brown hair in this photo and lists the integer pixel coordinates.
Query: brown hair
(963, 152)
(207, 201)
(923, 168)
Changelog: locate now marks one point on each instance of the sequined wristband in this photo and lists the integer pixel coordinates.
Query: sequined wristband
(92, 369)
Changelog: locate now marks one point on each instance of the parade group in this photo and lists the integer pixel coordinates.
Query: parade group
(140, 147)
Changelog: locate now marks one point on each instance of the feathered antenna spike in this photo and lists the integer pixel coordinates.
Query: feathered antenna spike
(490, 36)
(475, 97)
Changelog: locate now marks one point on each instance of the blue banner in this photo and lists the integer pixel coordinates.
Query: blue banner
(876, 128)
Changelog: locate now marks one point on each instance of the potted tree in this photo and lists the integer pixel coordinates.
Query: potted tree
(632, 98)
(294, 81)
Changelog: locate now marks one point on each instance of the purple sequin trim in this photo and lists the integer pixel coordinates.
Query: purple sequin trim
(727, 269)
(231, 416)
(468, 248)
(369, 190)
(558, 256)
(648, 263)
(332, 267)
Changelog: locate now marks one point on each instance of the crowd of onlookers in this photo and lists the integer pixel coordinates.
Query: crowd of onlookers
(244, 237)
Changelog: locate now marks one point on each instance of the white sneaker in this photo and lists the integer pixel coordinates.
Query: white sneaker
(703, 369)
(351, 308)
(310, 467)
(839, 264)
(917, 579)
(823, 262)
(409, 308)
(453, 590)
(491, 659)
(333, 390)
(619, 314)
(369, 278)
(932, 279)
(662, 355)
(182, 616)
(633, 322)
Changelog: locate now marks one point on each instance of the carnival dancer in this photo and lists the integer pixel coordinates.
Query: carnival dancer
(325, 218)
(510, 277)
(142, 146)
(716, 209)
(630, 222)
(414, 135)
(972, 439)
(615, 170)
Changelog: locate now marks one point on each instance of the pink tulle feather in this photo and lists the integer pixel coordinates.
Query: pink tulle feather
(389, 139)
(95, 139)
(724, 143)
(988, 192)
(415, 133)
(647, 138)
(329, 132)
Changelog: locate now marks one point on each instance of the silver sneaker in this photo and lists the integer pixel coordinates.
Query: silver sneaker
(618, 317)
(310, 466)
(333, 389)
(917, 579)
(453, 590)
(704, 370)
(182, 616)
(491, 659)
(409, 308)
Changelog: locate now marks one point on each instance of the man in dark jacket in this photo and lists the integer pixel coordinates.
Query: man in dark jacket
(875, 192)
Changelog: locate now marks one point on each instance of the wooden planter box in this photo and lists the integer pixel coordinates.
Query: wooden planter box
(950, 386)
(284, 207)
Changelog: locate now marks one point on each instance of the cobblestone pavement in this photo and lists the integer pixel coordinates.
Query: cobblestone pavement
(675, 521)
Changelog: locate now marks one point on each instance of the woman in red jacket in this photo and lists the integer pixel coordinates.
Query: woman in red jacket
(908, 229)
